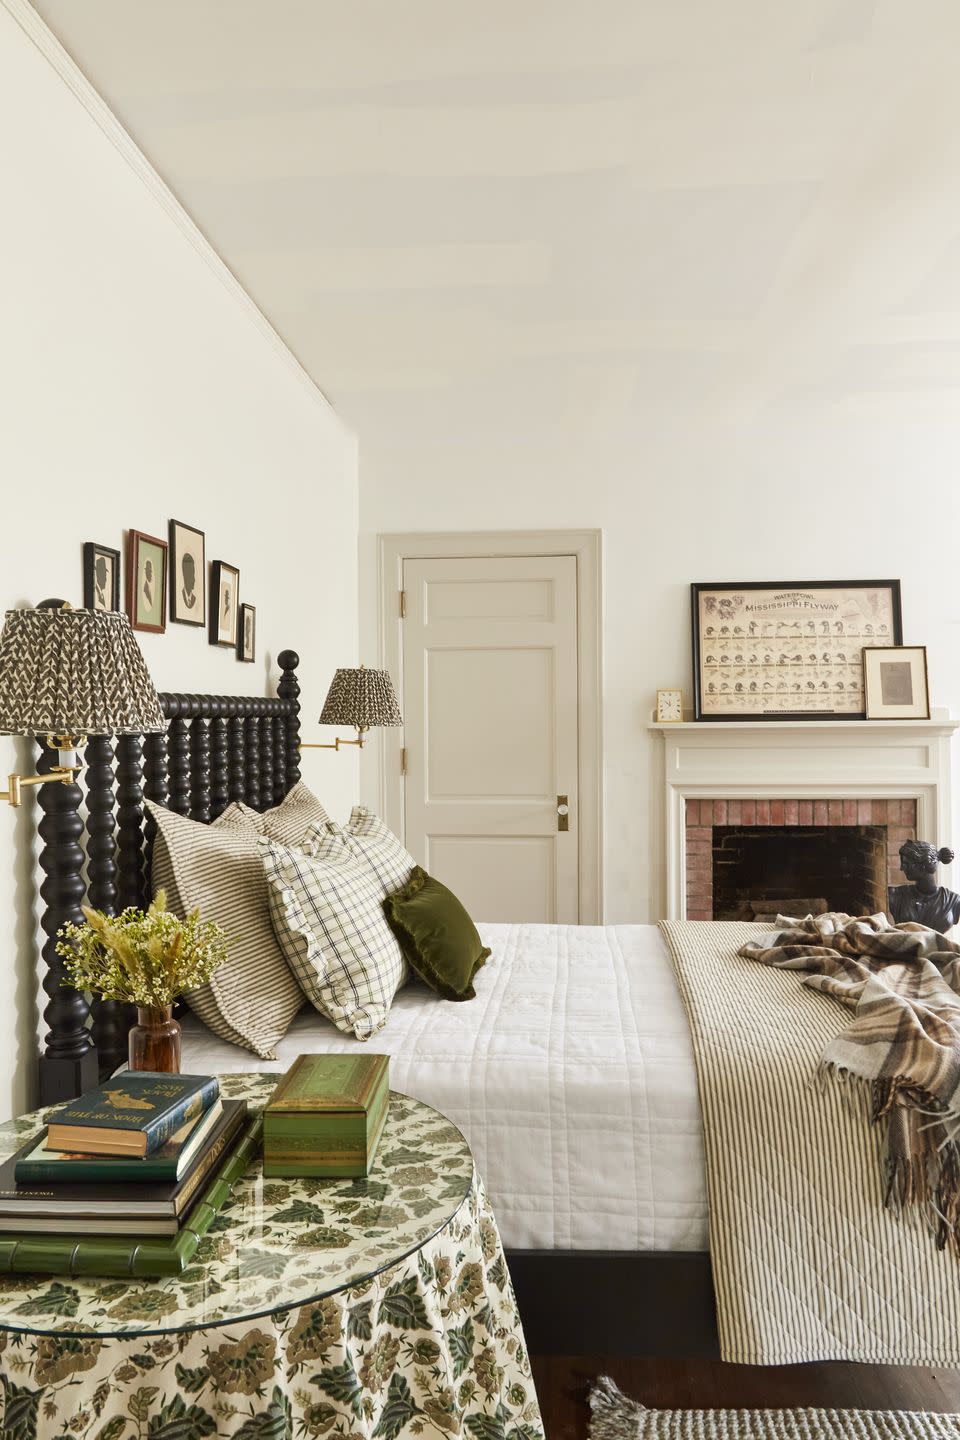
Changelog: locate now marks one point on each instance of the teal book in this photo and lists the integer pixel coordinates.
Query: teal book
(173, 1160)
(131, 1114)
(127, 1257)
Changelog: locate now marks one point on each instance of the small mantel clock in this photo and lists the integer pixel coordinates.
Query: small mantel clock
(669, 707)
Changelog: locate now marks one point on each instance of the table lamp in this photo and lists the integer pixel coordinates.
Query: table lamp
(66, 675)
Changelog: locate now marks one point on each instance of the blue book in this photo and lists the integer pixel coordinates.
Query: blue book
(131, 1114)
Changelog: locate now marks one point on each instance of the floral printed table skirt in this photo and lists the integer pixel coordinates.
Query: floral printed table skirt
(433, 1346)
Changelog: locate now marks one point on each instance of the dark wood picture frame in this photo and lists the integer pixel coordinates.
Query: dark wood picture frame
(831, 658)
(136, 539)
(91, 553)
(882, 713)
(244, 611)
(220, 572)
(179, 612)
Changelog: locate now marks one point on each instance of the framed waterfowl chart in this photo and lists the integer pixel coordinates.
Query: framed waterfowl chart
(764, 650)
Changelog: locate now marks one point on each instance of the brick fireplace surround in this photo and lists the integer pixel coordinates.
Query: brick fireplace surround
(898, 817)
(801, 775)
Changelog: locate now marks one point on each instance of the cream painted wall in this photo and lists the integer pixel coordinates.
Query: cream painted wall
(824, 484)
(135, 387)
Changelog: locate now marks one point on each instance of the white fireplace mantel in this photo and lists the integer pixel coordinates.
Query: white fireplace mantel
(806, 760)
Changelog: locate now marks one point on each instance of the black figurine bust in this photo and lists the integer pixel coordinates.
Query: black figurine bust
(923, 899)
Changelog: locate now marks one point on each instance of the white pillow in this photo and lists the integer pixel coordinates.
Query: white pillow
(329, 920)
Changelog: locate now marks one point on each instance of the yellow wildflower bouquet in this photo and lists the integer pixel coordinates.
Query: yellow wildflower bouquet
(141, 957)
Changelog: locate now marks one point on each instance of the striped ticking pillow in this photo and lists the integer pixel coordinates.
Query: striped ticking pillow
(288, 821)
(328, 917)
(252, 999)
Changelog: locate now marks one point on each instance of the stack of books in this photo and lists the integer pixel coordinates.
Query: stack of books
(126, 1180)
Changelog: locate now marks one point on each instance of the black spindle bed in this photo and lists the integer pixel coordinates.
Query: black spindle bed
(215, 749)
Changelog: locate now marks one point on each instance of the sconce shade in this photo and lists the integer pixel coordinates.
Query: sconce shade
(74, 672)
(362, 698)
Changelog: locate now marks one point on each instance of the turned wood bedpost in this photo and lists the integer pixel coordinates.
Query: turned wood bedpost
(130, 856)
(68, 1064)
(110, 1019)
(267, 797)
(199, 762)
(278, 724)
(253, 757)
(289, 690)
(176, 707)
(237, 750)
(219, 762)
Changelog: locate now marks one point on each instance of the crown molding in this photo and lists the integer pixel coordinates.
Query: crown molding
(96, 107)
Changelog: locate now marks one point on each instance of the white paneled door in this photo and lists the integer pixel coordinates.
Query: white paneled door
(490, 709)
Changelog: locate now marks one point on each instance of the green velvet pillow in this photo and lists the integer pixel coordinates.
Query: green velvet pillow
(437, 936)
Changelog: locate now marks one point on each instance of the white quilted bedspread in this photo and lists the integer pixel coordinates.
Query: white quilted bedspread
(571, 1075)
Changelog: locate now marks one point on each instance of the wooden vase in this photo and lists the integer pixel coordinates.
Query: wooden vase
(155, 1040)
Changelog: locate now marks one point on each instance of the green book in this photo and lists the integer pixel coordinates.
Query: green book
(128, 1258)
(326, 1116)
(131, 1114)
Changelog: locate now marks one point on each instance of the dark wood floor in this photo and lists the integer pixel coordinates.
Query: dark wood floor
(563, 1381)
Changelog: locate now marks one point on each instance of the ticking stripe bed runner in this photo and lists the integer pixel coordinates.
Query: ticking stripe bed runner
(807, 1263)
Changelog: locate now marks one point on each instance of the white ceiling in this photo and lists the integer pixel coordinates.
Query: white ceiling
(701, 194)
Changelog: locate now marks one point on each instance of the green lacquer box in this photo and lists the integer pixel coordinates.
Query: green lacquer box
(326, 1116)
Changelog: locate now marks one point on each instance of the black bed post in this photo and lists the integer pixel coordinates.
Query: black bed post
(219, 761)
(289, 690)
(68, 1064)
(110, 1021)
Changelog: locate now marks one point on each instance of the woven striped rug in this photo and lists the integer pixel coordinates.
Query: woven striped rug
(614, 1417)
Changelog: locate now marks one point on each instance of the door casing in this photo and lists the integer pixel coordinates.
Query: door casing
(586, 546)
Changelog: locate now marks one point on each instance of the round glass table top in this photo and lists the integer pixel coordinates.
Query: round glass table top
(276, 1244)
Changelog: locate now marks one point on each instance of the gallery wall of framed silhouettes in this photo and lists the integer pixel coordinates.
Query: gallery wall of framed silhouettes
(170, 580)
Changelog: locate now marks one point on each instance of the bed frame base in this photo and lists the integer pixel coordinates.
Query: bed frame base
(616, 1302)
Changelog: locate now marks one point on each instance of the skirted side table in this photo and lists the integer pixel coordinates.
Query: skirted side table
(379, 1307)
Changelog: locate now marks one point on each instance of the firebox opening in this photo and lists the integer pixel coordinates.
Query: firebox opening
(761, 869)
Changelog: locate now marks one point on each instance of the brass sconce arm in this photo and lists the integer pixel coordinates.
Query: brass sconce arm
(335, 744)
(60, 774)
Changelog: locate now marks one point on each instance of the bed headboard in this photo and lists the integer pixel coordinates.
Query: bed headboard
(215, 749)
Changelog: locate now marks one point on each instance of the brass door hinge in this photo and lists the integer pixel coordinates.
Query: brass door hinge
(403, 761)
(403, 604)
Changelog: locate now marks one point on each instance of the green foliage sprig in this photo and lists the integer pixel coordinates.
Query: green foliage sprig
(141, 957)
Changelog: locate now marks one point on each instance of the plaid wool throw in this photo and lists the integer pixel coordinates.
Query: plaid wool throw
(902, 983)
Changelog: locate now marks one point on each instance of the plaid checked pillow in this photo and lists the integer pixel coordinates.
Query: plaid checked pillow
(329, 920)
(364, 838)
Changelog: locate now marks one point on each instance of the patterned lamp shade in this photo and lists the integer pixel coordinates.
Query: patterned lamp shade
(362, 698)
(74, 672)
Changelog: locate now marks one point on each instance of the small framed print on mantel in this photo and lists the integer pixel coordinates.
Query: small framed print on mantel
(788, 650)
(895, 682)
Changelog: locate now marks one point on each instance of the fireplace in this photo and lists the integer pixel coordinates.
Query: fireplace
(748, 859)
(760, 871)
(784, 775)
